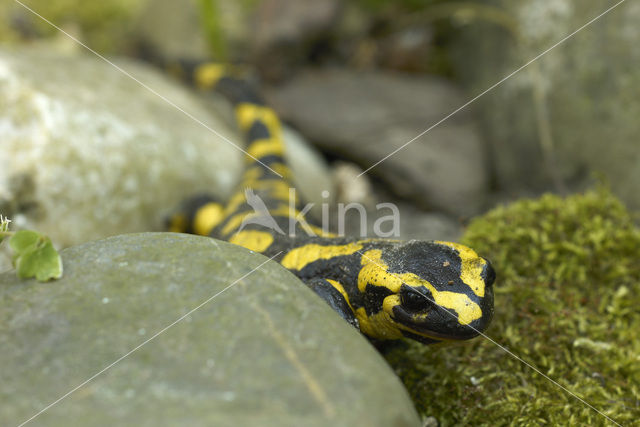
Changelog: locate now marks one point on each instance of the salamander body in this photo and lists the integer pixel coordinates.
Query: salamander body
(429, 291)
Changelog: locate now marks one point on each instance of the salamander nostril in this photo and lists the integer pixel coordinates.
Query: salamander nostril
(489, 274)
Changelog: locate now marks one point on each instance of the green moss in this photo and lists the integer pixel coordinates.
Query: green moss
(566, 301)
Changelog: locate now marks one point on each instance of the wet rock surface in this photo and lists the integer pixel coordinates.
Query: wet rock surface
(264, 351)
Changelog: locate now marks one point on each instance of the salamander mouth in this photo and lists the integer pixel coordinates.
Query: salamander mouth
(439, 323)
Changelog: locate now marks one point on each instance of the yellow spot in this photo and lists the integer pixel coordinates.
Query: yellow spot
(178, 223)
(207, 217)
(265, 147)
(299, 258)
(340, 289)
(471, 267)
(247, 114)
(374, 272)
(254, 240)
(206, 76)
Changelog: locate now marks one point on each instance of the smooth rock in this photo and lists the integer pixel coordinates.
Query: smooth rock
(87, 152)
(570, 114)
(364, 117)
(251, 348)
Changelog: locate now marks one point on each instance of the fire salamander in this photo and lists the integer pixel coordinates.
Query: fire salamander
(430, 291)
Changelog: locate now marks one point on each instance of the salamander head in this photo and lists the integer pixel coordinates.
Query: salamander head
(428, 291)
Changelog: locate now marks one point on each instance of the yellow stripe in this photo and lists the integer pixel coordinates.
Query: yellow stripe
(282, 169)
(234, 203)
(340, 289)
(251, 175)
(299, 258)
(235, 221)
(277, 188)
(247, 114)
(207, 217)
(471, 267)
(254, 240)
(206, 76)
(255, 172)
(379, 325)
(265, 147)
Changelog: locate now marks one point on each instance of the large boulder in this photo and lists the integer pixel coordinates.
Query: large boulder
(88, 152)
(213, 334)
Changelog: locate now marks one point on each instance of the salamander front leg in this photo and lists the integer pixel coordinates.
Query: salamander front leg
(334, 294)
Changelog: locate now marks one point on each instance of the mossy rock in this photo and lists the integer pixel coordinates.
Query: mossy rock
(566, 301)
(260, 349)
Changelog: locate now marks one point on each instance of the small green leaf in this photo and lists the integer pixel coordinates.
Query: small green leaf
(35, 256)
(22, 240)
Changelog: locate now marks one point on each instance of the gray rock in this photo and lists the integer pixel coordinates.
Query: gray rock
(363, 117)
(88, 152)
(571, 113)
(266, 351)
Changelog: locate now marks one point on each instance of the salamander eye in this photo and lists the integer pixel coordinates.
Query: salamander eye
(414, 300)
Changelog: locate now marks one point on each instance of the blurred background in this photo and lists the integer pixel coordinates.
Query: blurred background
(357, 80)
